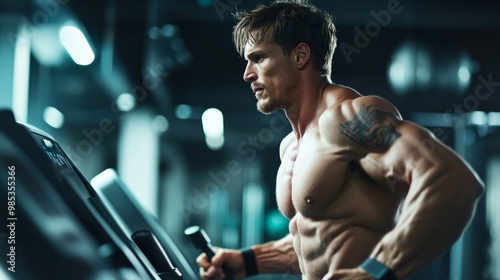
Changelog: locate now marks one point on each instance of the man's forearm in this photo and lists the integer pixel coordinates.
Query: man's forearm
(277, 257)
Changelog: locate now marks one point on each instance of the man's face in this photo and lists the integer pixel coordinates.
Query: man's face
(271, 74)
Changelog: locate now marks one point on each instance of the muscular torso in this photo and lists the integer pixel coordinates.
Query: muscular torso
(337, 211)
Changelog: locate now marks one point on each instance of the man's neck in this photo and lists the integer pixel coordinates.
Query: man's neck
(307, 103)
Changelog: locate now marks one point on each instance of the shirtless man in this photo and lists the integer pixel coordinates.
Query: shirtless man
(366, 192)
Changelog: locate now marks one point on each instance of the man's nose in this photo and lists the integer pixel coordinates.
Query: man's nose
(249, 75)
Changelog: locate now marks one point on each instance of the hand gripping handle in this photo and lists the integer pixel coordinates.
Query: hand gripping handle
(201, 241)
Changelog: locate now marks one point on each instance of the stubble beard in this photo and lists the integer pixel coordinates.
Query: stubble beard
(280, 97)
(266, 107)
(270, 105)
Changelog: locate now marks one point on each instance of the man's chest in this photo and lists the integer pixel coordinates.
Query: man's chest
(311, 176)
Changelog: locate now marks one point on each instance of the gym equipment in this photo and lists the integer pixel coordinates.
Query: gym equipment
(58, 225)
(200, 240)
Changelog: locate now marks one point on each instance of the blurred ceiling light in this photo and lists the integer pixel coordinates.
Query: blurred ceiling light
(183, 111)
(478, 118)
(420, 68)
(464, 74)
(213, 122)
(47, 47)
(214, 143)
(76, 45)
(125, 102)
(160, 124)
(213, 126)
(399, 76)
(403, 69)
(464, 68)
(53, 117)
(494, 118)
(423, 66)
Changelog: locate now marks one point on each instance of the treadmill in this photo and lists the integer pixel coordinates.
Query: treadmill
(61, 228)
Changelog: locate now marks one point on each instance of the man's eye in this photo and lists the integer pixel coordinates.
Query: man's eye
(258, 58)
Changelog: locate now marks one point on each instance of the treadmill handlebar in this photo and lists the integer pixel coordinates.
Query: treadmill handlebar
(201, 241)
(150, 246)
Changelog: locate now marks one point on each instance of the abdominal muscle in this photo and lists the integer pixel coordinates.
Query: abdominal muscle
(350, 213)
(323, 246)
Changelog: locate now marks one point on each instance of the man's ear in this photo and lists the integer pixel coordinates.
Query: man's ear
(302, 55)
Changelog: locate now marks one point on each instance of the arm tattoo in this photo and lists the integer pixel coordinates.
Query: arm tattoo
(371, 128)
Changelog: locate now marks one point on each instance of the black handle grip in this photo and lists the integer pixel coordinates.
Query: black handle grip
(201, 241)
(152, 249)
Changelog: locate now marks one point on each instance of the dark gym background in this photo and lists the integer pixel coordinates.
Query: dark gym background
(159, 64)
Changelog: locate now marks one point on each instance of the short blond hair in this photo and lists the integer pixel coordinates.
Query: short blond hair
(289, 23)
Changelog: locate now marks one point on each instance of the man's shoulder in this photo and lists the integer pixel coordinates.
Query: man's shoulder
(356, 114)
(337, 93)
(345, 102)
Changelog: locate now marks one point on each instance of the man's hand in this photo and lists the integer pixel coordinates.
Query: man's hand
(348, 274)
(231, 259)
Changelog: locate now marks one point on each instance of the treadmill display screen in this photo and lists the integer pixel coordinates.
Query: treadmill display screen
(57, 158)
(62, 165)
